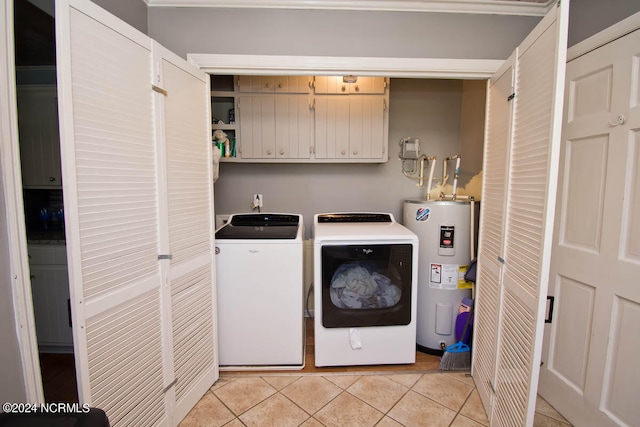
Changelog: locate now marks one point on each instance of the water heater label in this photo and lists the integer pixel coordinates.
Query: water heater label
(423, 214)
(446, 236)
(444, 276)
(436, 274)
(446, 240)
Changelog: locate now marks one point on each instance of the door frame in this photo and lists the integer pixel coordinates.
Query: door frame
(479, 69)
(16, 228)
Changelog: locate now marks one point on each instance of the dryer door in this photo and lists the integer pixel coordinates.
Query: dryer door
(366, 285)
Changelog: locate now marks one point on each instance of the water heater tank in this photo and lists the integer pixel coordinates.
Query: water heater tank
(443, 229)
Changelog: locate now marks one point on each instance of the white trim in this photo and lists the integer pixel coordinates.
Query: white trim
(328, 65)
(16, 229)
(500, 7)
(605, 36)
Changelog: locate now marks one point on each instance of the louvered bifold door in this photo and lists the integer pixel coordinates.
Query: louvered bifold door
(530, 213)
(490, 254)
(184, 134)
(111, 212)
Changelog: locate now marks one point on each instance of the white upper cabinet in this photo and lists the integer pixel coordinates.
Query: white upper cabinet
(39, 136)
(293, 119)
(353, 126)
(273, 84)
(349, 85)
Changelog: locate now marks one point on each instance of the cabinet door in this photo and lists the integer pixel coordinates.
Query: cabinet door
(351, 127)
(39, 136)
(332, 127)
(258, 84)
(291, 84)
(257, 127)
(337, 85)
(273, 84)
(368, 85)
(330, 85)
(50, 292)
(275, 126)
(367, 130)
(293, 127)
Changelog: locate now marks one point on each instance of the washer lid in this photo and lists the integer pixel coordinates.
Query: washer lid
(260, 226)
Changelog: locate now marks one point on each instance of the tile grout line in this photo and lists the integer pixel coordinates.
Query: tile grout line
(343, 390)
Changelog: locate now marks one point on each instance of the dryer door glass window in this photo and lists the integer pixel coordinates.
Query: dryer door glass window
(366, 285)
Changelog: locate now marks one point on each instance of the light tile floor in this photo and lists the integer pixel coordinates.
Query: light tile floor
(383, 399)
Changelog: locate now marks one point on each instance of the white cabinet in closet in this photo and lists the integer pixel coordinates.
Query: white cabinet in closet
(274, 84)
(50, 293)
(275, 118)
(39, 136)
(349, 85)
(351, 127)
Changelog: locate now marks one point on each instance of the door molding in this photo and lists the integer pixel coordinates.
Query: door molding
(434, 68)
(16, 229)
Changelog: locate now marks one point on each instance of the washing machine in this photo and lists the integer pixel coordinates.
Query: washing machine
(260, 292)
(365, 272)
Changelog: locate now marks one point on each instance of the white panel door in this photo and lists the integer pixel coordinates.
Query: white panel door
(188, 209)
(108, 156)
(529, 215)
(590, 369)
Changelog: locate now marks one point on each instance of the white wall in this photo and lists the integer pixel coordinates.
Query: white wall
(337, 32)
(474, 95)
(588, 17)
(133, 12)
(426, 109)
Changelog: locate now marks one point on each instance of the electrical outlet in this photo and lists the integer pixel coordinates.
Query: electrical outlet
(257, 201)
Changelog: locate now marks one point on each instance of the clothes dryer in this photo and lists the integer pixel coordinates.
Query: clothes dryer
(365, 272)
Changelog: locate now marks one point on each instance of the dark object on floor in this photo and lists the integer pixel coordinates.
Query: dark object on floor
(457, 357)
(93, 418)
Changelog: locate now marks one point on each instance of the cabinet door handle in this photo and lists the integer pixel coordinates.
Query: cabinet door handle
(269, 151)
(355, 152)
(281, 152)
(52, 178)
(343, 152)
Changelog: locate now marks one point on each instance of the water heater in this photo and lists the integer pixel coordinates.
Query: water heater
(443, 229)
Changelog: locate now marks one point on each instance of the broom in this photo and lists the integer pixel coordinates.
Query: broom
(457, 357)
